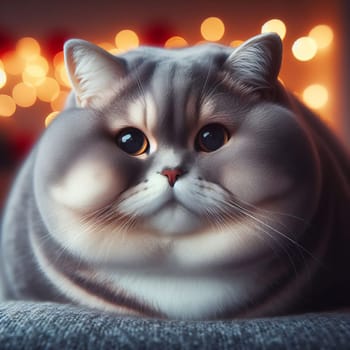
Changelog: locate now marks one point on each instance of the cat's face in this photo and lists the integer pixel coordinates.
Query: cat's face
(183, 158)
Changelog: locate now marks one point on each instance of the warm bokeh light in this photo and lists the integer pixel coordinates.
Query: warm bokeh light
(50, 118)
(62, 76)
(236, 43)
(212, 29)
(126, 39)
(3, 78)
(115, 51)
(304, 48)
(275, 26)
(35, 71)
(58, 59)
(175, 42)
(48, 90)
(7, 106)
(24, 95)
(28, 48)
(315, 96)
(30, 76)
(323, 35)
(30, 79)
(38, 66)
(106, 46)
(58, 103)
(12, 63)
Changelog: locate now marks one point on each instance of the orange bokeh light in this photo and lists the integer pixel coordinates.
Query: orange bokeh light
(28, 48)
(58, 103)
(3, 78)
(7, 106)
(304, 48)
(323, 35)
(126, 39)
(236, 43)
(12, 63)
(315, 96)
(48, 90)
(175, 42)
(275, 26)
(24, 95)
(106, 46)
(58, 59)
(62, 76)
(212, 29)
(50, 118)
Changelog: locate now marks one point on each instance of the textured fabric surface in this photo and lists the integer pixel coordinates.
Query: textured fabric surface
(25, 325)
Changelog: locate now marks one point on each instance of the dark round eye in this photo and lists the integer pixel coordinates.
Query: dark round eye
(211, 137)
(132, 141)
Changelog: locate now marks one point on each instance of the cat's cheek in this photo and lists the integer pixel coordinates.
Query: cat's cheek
(253, 184)
(88, 186)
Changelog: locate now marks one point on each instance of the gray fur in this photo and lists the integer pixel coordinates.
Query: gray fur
(261, 223)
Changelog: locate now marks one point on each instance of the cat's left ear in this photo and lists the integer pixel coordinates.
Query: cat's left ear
(95, 74)
(256, 63)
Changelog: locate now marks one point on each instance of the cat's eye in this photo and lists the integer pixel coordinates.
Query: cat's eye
(211, 137)
(132, 141)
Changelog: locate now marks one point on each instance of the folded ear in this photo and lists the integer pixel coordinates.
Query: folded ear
(256, 63)
(95, 74)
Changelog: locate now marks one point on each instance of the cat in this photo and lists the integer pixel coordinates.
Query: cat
(181, 184)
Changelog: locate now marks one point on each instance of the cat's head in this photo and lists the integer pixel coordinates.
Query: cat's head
(187, 157)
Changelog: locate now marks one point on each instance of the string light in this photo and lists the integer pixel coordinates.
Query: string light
(12, 63)
(175, 42)
(7, 106)
(3, 78)
(28, 48)
(58, 103)
(61, 75)
(236, 43)
(115, 51)
(58, 59)
(323, 35)
(106, 46)
(304, 49)
(126, 39)
(27, 62)
(212, 29)
(48, 90)
(315, 96)
(275, 26)
(24, 95)
(31, 78)
(50, 118)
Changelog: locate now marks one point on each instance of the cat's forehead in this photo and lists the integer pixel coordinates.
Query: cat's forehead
(170, 90)
(195, 55)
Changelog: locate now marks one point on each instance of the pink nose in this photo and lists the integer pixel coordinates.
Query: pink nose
(172, 175)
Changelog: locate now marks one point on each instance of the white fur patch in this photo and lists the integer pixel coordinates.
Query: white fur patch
(185, 297)
(88, 185)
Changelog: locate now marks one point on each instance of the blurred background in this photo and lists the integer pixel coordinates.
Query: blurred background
(34, 84)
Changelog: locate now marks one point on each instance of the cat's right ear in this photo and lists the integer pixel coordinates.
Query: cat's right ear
(95, 74)
(256, 63)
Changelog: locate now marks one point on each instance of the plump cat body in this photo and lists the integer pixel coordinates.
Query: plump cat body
(181, 184)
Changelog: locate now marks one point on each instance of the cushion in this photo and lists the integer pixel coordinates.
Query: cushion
(34, 325)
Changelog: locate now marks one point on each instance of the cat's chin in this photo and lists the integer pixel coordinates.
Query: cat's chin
(173, 219)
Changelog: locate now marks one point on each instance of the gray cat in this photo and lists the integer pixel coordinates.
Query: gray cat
(181, 184)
